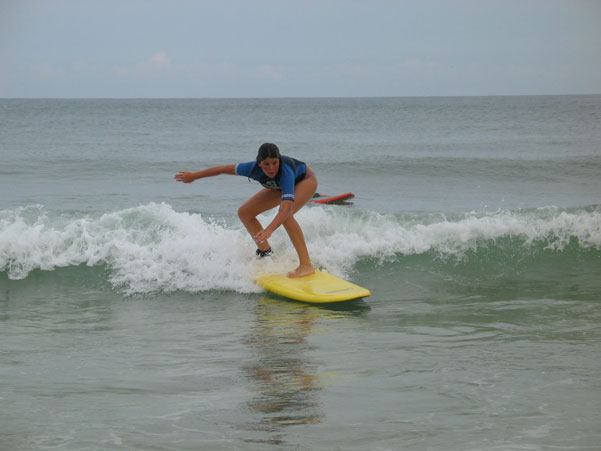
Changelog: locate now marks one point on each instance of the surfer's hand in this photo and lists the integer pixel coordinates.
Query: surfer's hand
(185, 176)
(262, 236)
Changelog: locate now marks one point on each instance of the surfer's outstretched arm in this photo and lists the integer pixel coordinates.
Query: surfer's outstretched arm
(189, 177)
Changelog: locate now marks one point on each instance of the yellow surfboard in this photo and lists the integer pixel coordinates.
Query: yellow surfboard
(320, 287)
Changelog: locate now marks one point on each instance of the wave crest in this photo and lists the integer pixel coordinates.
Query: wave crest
(154, 248)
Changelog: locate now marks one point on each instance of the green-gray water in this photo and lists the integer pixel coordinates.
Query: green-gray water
(129, 320)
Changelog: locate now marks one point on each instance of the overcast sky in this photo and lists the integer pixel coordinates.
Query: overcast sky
(298, 48)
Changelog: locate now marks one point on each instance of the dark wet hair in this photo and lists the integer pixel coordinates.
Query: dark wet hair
(268, 150)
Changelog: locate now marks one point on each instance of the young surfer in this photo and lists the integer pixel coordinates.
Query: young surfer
(287, 182)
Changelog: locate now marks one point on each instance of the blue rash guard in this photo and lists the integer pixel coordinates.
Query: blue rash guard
(290, 172)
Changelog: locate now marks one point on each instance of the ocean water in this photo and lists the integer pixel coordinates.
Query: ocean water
(129, 318)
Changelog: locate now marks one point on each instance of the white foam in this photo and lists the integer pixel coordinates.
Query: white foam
(154, 248)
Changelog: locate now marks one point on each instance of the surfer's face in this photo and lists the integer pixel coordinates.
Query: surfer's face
(270, 166)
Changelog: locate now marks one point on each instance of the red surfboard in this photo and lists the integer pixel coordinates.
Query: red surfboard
(325, 199)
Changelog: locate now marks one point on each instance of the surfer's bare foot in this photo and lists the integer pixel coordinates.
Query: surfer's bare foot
(301, 271)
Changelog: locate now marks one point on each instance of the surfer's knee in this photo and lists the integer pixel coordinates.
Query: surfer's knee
(244, 214)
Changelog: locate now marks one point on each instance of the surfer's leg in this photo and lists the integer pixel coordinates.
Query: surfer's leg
(264, 200)
(295, 233)
(303, 192)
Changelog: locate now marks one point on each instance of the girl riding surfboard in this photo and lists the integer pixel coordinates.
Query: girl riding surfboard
(287, 182)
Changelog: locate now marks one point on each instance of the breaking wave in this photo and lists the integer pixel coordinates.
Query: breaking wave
(153, 248)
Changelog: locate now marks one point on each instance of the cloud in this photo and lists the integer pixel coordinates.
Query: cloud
(157, 64)
(419, 64)
(267, 72)
(48, 71)
(159, 61)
